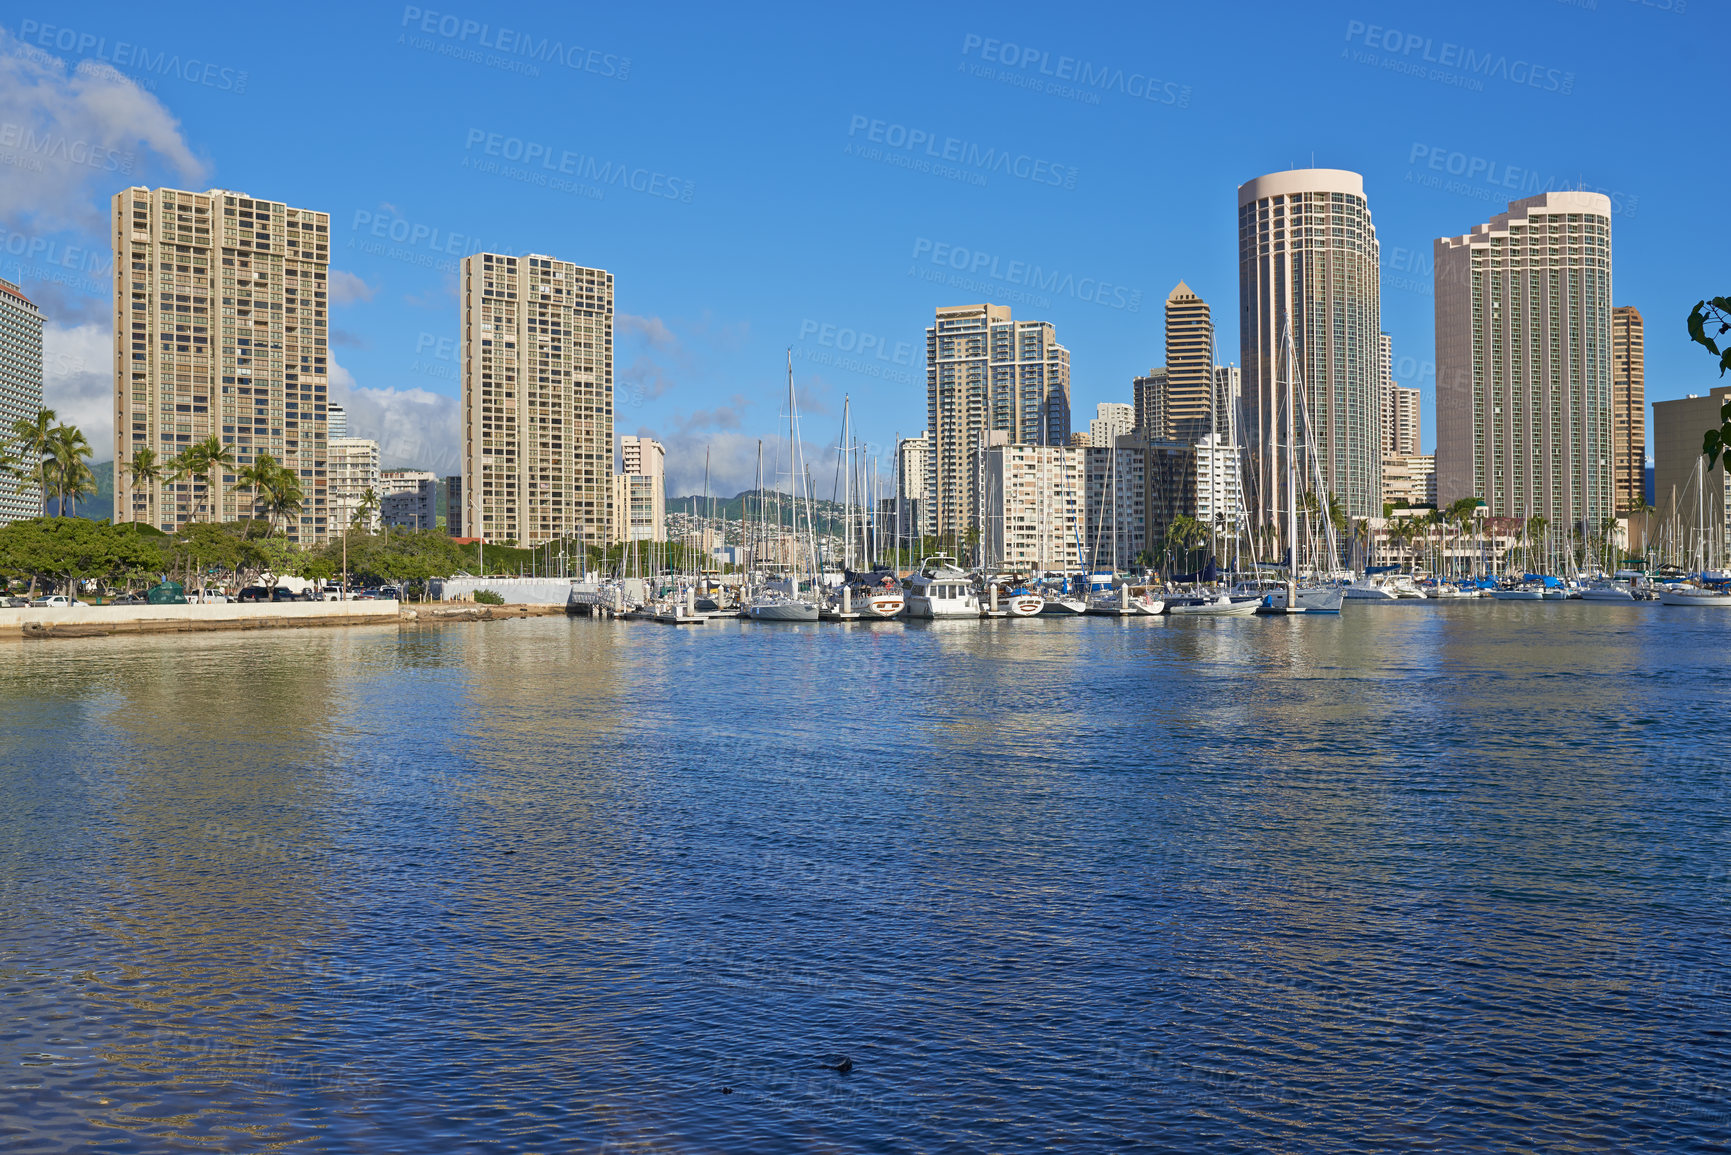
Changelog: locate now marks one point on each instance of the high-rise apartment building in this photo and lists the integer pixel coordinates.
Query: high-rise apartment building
(1308, 265)
(537, 359)
(1229, 402)
(1523, 338)
(352, 464)
(987, 373)
(1112, 420)
(20, 392)
(336, 422)
(1409, 479)
(1033, 506)
(1628, 406)
(911, 516)
(1189, 366)
(1219, 484)
(640, 494)
(1150, 403)
(220, 330)
(1400, 414)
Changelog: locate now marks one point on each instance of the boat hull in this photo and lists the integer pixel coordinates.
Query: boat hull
(1022, 606)
(1517, 595)
(1063, 607)
(783, 612)
(1701, 599)
(1218, 608)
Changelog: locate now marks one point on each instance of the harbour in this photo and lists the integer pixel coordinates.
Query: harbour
(1212, 881)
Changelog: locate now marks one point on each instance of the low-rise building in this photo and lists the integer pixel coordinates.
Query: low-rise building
(1409, 479)
(352, 470)
(409, 498)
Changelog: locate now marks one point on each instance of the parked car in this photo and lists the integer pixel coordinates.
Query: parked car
(14, 603)
(128, 600)
(210, 597)
(54, 601)
(254, 594)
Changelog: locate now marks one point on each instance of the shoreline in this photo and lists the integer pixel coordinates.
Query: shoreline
(48, 624)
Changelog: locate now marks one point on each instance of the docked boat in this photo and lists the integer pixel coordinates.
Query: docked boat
(942, 590)
(1324, 598)
(1112, 603)
(1023, 602)
(791, 600)
(1607, 591)
(777, 606)
(1373, 588)
(1213, 605)
(1704, 597)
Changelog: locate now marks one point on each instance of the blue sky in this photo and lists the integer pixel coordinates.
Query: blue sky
(765, 219)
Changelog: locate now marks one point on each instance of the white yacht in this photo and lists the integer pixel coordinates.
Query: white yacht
(1704, 597)
(1606, 591)
(942, 590)
(1372, 588)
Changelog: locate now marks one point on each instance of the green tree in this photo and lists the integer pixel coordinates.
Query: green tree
(144, 470)
(34, 434)
(67, 471)
(1715, 315)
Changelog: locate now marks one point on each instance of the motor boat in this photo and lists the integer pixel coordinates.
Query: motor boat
(942, 590)
(1213, 605)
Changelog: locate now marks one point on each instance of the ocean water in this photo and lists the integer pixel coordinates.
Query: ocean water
(1445, 878)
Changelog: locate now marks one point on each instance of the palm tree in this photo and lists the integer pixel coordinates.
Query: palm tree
(72, 478)
(258, 477)
(188, 463)
(144, 469)
(364, 510)
(33, 434)
(282, 495)
(1366, 538)
(211, 457)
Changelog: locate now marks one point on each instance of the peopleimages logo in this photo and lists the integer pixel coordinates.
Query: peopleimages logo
(23, 141)
(126, 56)
(1070, 70)
(954, 151)
(1448, 55)
(513, 43)
(559, 162)
(1494, 179)
(974, 269)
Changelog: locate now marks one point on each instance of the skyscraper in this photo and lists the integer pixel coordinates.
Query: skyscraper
(1629, 406)
(1229, 402)
(220, 330)
(987, 373)
(20, 391)
(1523, 340)
(1400, 415)
(912, 514)
(1189, 366)
(1308, 256)
(537, 357)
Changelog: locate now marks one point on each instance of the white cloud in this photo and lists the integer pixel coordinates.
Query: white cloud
(652, 329)
(415, 429)
(64, 130)
(347, 288)
(78, 381)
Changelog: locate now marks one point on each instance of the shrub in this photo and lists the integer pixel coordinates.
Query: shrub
(489, 598)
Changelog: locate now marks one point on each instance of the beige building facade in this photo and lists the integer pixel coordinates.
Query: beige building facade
(987, 373)
(1309, 262)
(1523, 336)
(220, 330)
(1687, 497)
(1034, 506)
(1629, 406)
(537, 406)
(640, 491)
(1189, 367)
(353, 469)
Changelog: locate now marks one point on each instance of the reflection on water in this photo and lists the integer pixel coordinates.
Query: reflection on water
(1448, 876)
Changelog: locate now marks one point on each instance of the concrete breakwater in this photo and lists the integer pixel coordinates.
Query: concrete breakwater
(101, 621)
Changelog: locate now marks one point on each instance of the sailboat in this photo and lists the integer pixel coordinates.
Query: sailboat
(795, 603)
(1313, 597)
